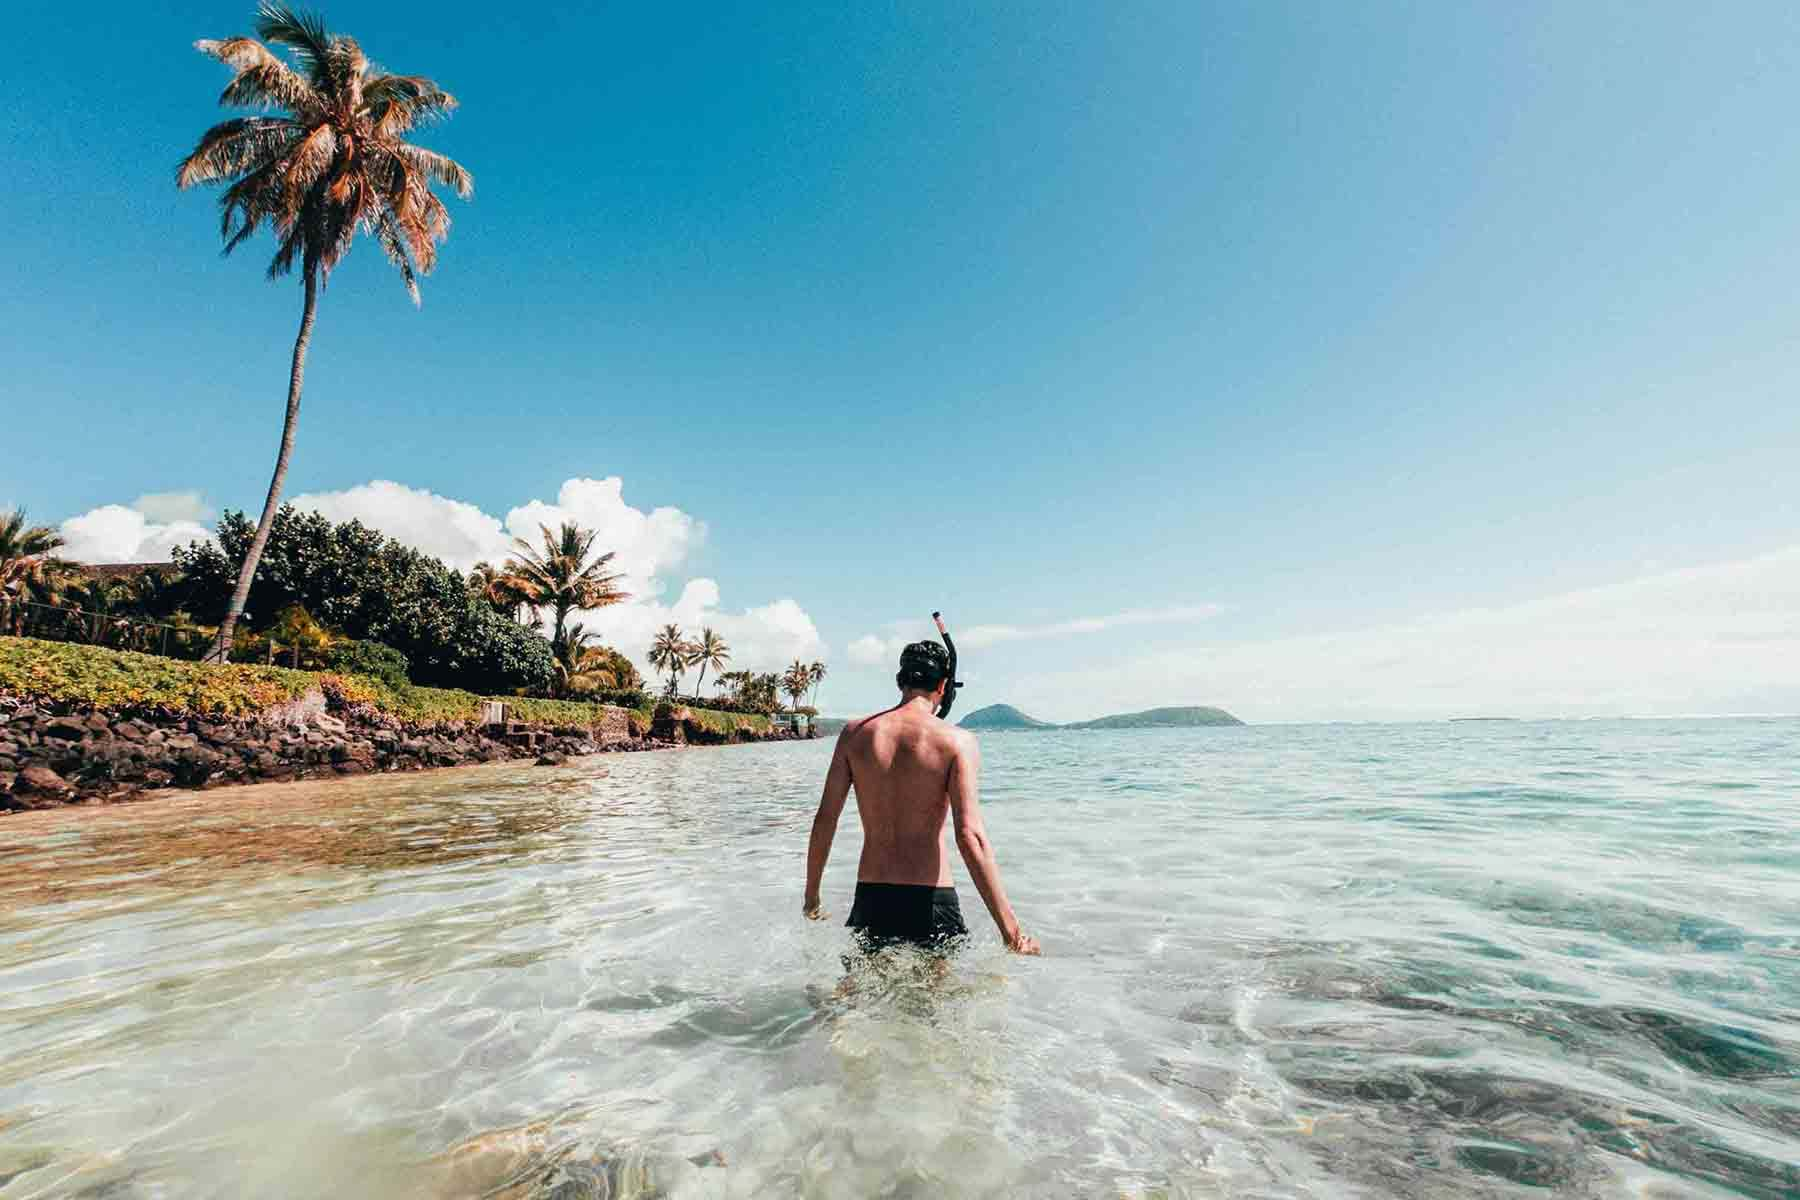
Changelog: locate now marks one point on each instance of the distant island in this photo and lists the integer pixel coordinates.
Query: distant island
(1005, 716)
(1002, 716)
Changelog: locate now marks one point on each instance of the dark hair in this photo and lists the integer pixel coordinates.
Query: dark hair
(923, 665)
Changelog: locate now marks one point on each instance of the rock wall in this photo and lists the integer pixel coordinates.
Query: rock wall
(51, 754)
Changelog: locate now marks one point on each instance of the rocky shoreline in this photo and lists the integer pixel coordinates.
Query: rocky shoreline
(57, 754)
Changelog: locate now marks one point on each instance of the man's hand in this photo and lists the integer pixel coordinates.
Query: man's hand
(814, 909)
(1023, 943)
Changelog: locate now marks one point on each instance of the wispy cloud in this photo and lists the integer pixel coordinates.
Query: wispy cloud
(1720, 638)
(876, 649)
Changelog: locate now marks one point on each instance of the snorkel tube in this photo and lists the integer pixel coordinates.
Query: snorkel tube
(943, 711)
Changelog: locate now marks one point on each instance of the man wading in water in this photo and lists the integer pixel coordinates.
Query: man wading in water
(909, 768)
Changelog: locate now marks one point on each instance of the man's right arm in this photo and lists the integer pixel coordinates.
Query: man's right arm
(977, 851)
(825, 823)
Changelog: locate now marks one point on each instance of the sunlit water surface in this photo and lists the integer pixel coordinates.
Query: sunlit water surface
(1445, 960)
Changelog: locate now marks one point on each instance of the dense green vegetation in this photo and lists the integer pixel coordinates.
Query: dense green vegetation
(95, 675)
(345, 600)
(364, 585)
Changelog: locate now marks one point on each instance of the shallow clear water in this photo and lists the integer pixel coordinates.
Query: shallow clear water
(1426, 960)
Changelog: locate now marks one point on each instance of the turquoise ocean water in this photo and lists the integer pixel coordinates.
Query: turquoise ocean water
(1494, 959)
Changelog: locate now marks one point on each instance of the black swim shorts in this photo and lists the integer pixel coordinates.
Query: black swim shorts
(887, 914)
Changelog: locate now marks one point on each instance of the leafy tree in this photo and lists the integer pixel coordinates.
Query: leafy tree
(330, 161)
(353, 657)
(816, 674)
(370, 587)
(560, 574)
(709, 651)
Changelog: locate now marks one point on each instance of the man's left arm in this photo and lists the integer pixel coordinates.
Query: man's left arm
(825, 823)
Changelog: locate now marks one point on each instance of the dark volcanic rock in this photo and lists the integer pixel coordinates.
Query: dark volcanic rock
(66, 754)
(43, 784)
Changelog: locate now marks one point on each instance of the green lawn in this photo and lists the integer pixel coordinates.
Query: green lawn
(95, 675)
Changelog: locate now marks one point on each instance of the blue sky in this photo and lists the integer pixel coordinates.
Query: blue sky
(1281, 321)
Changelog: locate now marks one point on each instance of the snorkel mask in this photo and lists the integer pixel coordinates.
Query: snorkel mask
(951, 684)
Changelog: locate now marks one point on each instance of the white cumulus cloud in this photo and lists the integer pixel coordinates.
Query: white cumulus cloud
(114, 533)
(453, 530)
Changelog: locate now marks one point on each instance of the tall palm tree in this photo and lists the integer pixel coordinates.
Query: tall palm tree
(330, 161)
(669, 652)
(560, 576)
(28, 563)
(816, 674)
(709, 651)
(795, 682)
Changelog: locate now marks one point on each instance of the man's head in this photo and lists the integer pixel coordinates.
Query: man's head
(924, 667)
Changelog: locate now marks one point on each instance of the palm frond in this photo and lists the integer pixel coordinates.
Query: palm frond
(231, 148)
(440, 168)
(398, 102)
(394, 242)
(270, 85)
(303, 33)
(334, 165)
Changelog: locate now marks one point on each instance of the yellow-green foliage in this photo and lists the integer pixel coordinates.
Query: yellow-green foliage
(105, 678)
(118, 678)
(728, 723)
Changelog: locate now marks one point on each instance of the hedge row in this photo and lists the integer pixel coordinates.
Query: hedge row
(66, 672)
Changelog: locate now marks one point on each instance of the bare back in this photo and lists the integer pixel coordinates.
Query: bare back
(909, 771)
(902, 764)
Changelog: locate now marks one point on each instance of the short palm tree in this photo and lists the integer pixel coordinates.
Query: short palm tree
(99, 609)
(494, 587)
(28, 562)
(330, 161)
(795, 682)
(669, 652)
(816, 675)
(709, 651)
(560, 575)
(580, 661)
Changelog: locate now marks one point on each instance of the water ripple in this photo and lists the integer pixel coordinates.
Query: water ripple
(1408, 961)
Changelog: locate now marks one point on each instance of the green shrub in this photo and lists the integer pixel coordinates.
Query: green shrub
(349, 656)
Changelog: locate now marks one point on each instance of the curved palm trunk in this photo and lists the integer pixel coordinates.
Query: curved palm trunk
(240, 595)
(701, 682)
